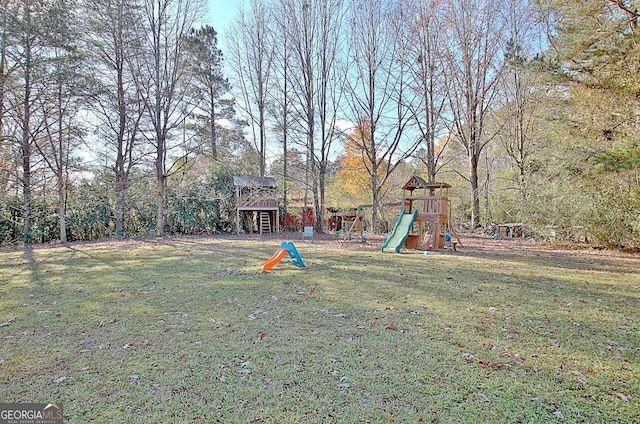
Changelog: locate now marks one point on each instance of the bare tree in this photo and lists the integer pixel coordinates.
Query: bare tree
(60, 105)
(313, 31)
(280, 99)
(5, 34)
(168, 23)
(380, 98)
(26, 56)
(251, 58)
(302, 32)
(426, 65)
(521, 97)
(114, 39)
(331, 89)
(474, 66)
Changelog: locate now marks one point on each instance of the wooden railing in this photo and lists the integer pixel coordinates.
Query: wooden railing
(249, 203)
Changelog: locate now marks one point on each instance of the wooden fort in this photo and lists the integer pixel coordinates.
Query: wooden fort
(257, 204)
(432, 220)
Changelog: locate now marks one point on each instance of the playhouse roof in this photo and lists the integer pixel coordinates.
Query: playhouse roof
(269, 182)
(417, 182)
(414, 183)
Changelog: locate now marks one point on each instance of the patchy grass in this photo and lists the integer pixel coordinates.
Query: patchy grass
(189, 330)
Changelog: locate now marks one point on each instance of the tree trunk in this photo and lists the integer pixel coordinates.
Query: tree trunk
(161, 183)
(214, 134)
(121, 196)
(62, 208)
(26, 148)
(26, 179)
(475, 200)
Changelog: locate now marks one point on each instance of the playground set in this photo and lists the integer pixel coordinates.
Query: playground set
(424, 222)
(347, 222)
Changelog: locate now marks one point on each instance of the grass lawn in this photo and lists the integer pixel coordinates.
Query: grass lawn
(190, 330)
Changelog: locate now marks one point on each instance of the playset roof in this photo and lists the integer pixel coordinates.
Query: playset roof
(268, 182)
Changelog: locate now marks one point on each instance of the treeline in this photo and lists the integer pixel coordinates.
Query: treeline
(118, 118)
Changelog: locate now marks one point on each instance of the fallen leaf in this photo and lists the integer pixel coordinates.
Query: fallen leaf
(60, 379)
(493, 365)
(621, 396)
(484, 397)
(559, 415)
(469, 357)
(388, 418)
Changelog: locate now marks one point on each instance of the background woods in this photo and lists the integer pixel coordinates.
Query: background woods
(130, 117)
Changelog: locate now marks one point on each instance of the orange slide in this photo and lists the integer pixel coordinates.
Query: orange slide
(266, 266)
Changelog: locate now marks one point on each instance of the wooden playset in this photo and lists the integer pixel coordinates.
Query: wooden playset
(425, 219)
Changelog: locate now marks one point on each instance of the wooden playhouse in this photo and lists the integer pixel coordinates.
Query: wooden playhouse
(257, 204)
(431, 223)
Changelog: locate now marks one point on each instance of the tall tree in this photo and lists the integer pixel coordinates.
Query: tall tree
(208, 86)
(331, 84)
(474, 65)
(521, 88)
(27, 55)
(281, 95)
(61, 104)
(313, 31)
(251, 58)
(165, 75)
(425, 56)
(5, 35)
(114, 40)
(355, 168)
(379, 89)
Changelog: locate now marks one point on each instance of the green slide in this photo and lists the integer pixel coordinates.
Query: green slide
(400, 232)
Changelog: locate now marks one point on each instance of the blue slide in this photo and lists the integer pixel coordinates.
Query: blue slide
(400, 232)
(293, 252)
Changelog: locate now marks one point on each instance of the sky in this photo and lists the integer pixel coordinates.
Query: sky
(221, 12)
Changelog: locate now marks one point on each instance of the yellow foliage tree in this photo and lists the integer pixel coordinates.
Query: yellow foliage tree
(353, 179)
